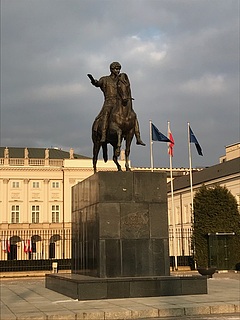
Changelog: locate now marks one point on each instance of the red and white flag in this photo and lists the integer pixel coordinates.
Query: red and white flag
(8, 245)
(170, 144)
(25, 246)
(29, 246)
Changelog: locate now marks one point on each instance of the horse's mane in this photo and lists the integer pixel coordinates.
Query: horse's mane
(123, 77)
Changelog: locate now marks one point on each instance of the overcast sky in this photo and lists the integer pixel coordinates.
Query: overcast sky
(182, 58)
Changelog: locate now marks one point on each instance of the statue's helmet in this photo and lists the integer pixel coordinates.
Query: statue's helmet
(114, 65)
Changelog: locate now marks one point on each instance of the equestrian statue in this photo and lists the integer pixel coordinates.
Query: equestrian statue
(117, 120)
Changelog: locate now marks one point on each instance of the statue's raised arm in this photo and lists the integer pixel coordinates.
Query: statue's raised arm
(93, 81)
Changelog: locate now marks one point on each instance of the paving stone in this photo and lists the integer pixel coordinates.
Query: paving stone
(173, 312)
(62, 315)
(117, 314)
(144, 313)
(90, 315)
(237, 306)
(32, 316)
(226, 308)
(198, 310)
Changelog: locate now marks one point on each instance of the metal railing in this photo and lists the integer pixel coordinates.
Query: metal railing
(34, 265)
(25, 250)
(29, 245)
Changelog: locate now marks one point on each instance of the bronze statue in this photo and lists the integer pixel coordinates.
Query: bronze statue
(116, 120)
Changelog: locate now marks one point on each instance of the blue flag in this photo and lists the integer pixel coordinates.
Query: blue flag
(158, 136)
(194, 140)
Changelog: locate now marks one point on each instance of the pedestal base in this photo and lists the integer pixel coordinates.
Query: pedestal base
(120, 225)
(93, 288)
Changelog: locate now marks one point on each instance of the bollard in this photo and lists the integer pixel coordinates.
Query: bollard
(54, 267)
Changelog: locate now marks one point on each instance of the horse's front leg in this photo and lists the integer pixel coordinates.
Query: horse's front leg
(127, 149)
(119, 143)
(115, 160)
(96, 148)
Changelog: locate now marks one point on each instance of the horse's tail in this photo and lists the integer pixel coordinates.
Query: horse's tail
(105, 152)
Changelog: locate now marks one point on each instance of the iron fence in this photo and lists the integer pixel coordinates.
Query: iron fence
(36, 249)
(35, 244)
(34, 265)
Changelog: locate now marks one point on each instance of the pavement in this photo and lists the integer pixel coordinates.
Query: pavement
(25, 298)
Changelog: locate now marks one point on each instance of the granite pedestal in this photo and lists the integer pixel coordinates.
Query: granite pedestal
(120, 226)
(120, 240)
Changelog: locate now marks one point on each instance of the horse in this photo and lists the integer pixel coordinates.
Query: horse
(121, 126)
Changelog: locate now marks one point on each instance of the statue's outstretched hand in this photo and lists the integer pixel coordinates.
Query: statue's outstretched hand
(93, 81)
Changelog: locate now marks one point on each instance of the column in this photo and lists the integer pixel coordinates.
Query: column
(25, 210)
(45, 217)
(5, 212)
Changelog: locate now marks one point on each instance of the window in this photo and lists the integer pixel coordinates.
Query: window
(52, 250)
(186, 217)
(170, 216)
(35, 184)
(35, 214)
(15, 213)
(55, 213)
(177, 215)
(15, 184)
(55, 184)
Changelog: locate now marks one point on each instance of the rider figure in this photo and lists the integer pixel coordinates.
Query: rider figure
(108, 85)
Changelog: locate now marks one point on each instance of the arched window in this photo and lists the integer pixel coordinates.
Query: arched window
(52, 245)
(12, 252)
(36, 250)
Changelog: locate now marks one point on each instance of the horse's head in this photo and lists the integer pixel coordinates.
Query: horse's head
(124, 90)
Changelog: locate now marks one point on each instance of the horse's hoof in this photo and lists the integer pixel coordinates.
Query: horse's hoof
(140, 142)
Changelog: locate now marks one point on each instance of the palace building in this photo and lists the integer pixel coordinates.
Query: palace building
(35, 199)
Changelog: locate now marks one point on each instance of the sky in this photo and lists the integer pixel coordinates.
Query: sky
(181, 56)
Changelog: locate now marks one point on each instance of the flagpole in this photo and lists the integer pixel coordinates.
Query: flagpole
(190, 170)
(172, 206)
(191, 182)
(151, 144)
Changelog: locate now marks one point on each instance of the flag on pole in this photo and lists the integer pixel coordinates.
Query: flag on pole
(157, 135)
(8, 245)
(194, 140)
(174, 239)
(170, 144)
(29, 246)
(25, 246)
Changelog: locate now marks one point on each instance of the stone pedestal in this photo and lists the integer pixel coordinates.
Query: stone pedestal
(120, 240)
(120, 225)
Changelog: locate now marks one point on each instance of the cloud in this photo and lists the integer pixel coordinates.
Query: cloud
(56, 92)
(150, 50)
(207, 85)
(181, 56)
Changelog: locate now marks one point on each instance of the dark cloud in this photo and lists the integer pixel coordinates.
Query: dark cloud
(181, 56)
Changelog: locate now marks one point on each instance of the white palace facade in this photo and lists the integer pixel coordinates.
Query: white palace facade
(35, 201)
